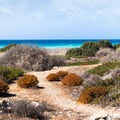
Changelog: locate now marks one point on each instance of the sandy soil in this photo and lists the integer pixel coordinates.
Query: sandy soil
(2, 54)
(55, 95)
(57, 51)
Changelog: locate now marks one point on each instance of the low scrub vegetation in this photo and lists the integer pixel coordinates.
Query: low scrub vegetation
(90, 93)
(72, 80)
(117, 46)
(27, 81)
(113, 96)
(24, 109)
(89, 48)
(8, 74)
(82, 63)
(30, 58)
(3, 87)
(62, 74)
(104, 68)
(52, 77)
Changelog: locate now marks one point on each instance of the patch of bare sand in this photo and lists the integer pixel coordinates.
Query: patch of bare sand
(57, 51)
(56, 96)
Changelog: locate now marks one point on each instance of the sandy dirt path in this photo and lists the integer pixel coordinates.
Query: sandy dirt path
(56, 96)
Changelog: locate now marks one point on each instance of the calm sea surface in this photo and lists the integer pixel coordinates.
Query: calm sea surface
(52, 43)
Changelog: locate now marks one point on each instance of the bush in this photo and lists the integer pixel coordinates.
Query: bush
(82, 63)
(106, 67)
(27, 81)
(104, 44)
(117, 46)
(73, 52)
(89, 48)
(3, 87)
(112, 98)
(30, 58)
(55, 61)
(89, 94)
(9, 73)
(25, 109)
(72, 80)
(62, 74)
(52, 77)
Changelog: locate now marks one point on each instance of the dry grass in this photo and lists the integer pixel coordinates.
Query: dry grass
(89, 94)
(72, 80)
(3, 87)
(62, 74)
(52, 77)
(27, 81)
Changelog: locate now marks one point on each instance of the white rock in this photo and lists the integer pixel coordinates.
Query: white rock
(35, 104)
(98, 115)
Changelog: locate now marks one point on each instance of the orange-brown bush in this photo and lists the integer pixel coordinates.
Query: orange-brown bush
(89, 94)
(62, 74)
(72, 80)
(52, 77)
(3, 87)
(28, 81)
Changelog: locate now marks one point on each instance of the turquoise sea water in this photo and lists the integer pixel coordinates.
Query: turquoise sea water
(52, 43)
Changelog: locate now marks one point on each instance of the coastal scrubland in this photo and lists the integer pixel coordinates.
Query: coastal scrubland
(40, 86)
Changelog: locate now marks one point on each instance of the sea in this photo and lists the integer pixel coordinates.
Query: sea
(53, 44)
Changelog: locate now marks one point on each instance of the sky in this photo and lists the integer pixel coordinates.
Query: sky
(59, 19)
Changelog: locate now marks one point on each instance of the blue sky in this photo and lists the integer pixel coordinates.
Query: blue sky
(61, 19)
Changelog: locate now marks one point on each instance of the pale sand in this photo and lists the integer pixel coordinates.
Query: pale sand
(2, 54)
(57, 51)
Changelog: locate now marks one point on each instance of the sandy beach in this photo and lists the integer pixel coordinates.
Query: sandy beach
(57, 51)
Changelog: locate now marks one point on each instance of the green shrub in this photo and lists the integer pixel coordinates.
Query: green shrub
(117, 46)
(15, 73)
(9, 73)
(72, 80)
(3, 87)
(89, 94)
(88, 48)
(104, 44)
(83, 63)
(113, 96)
(27, 81)
(73, 52)
(106, 67)
(52, 77)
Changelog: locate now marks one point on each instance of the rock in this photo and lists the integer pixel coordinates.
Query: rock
(65, 109)
(5, 106)
(99, 116)
(35, 104)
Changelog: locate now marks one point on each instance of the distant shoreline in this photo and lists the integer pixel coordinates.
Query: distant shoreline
(54, 44)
